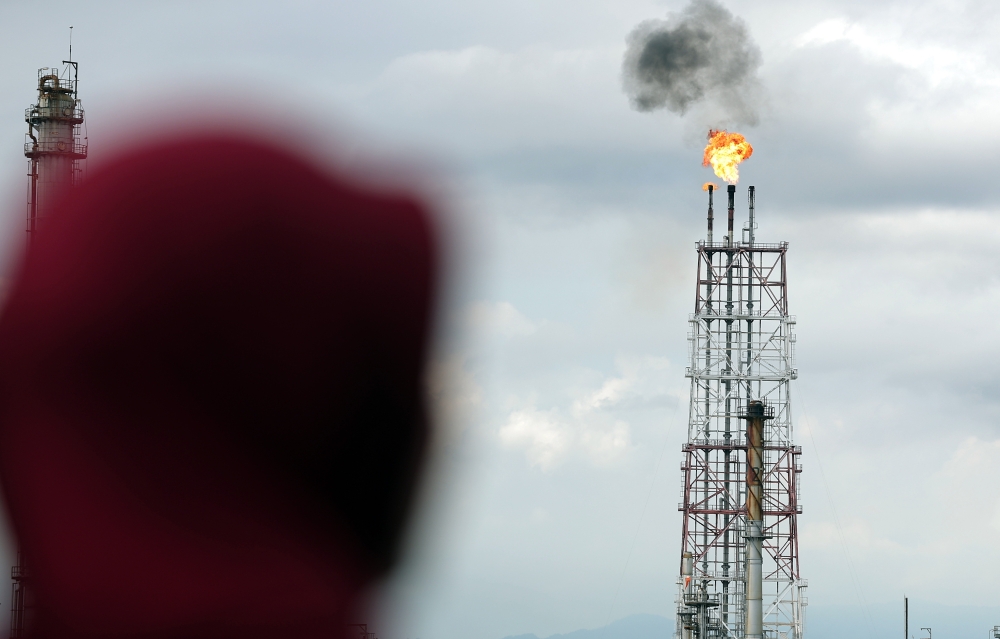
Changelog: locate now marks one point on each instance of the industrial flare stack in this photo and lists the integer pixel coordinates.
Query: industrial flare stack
(53, 143)
(739, 546)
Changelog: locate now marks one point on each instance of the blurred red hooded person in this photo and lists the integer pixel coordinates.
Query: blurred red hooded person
(211, 406)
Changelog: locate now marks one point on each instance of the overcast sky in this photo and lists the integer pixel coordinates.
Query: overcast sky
(562, 379)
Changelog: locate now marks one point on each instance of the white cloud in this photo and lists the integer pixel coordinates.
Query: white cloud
(966, 488)
(590, 426)
(641, 378)
(937, 63)
(499, 318)
(541, 434)
(605, 446)
(528, 74)
(482, 99)
(856, 534)
(547, 438)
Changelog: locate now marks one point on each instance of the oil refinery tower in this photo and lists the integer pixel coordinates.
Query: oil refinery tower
(54, 150)
(53, 144)
(739, 569)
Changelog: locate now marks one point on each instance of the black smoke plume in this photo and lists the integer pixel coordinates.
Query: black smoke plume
(703, 55)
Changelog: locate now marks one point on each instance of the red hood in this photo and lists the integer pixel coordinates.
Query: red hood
(211, 410)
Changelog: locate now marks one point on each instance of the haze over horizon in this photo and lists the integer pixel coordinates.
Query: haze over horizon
(557, 481)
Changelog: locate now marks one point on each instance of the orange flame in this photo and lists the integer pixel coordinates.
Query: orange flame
(704, 187)
(724, 152)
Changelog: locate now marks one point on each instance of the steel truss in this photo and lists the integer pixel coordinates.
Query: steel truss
(741, 349)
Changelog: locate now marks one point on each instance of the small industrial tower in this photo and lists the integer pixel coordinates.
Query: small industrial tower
(739, 545)
(53, 144)
(18, 598)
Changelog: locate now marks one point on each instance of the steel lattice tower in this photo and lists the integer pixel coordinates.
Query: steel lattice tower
(740, 458)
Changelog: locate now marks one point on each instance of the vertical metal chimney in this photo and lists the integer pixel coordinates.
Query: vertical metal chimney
(751, 196)
(732, 197)
(711, 216)
(755, 415)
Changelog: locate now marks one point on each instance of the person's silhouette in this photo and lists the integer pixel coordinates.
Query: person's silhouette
(211, 407)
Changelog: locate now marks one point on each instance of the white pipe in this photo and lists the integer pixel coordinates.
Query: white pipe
(755, 594)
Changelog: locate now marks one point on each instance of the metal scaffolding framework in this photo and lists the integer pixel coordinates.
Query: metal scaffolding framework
(741, 349)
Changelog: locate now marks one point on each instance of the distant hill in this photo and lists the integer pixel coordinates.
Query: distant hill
(632, 627)
(881, 620)
(878, 621)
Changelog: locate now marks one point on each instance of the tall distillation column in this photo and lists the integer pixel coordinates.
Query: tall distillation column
(53, 144)
(739, 547)
(54, 149)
